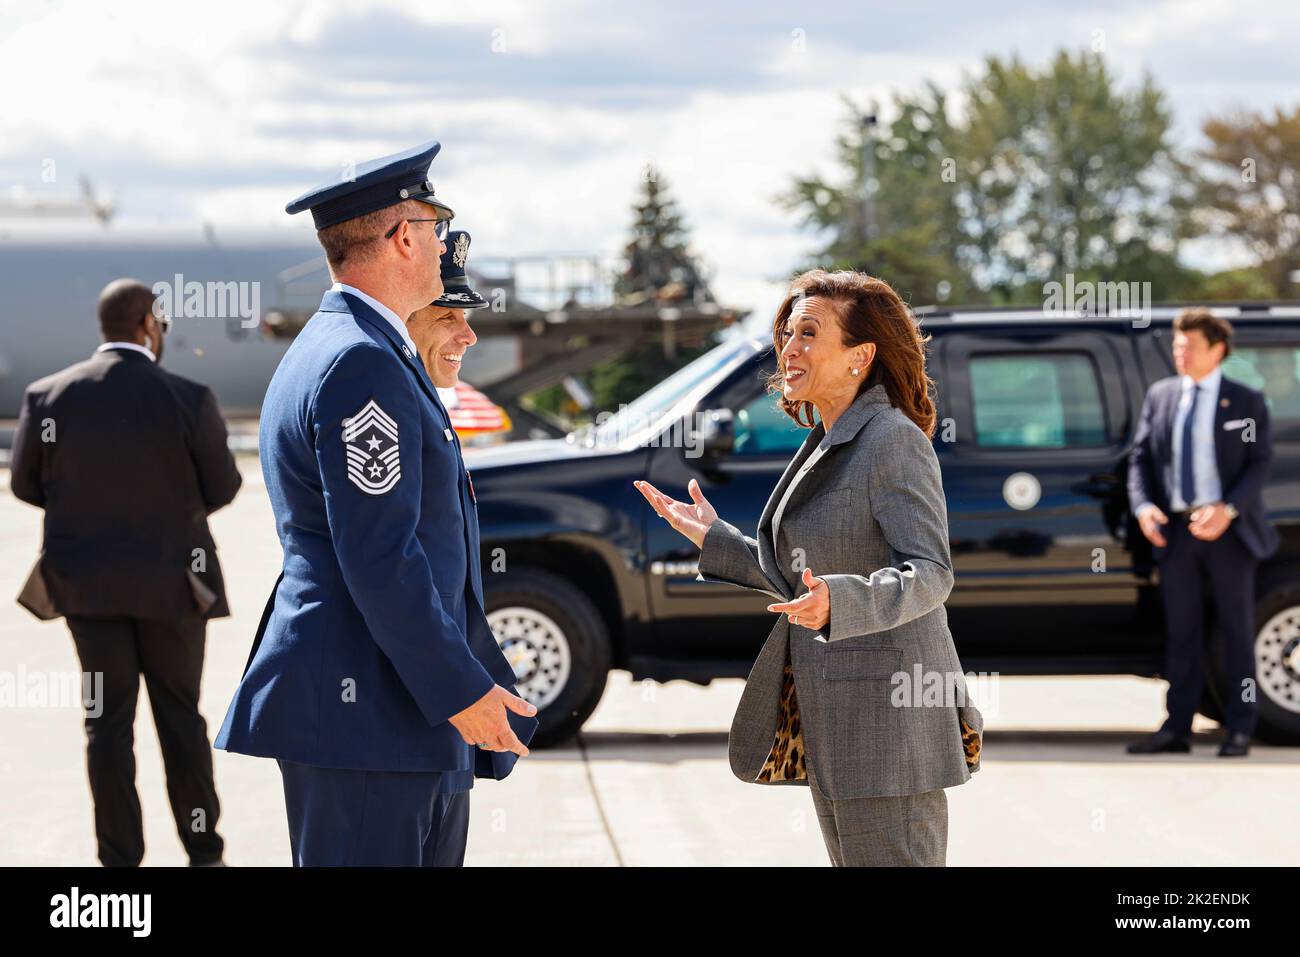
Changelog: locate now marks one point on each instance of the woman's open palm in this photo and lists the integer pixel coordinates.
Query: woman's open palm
(691, 518)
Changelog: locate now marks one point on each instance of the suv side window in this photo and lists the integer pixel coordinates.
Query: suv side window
(763, 429)
(1038, 400)
(1275, 370)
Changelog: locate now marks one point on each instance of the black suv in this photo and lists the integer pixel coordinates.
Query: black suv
(1036, 416)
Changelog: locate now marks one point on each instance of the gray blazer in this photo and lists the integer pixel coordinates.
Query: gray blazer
(880, 689)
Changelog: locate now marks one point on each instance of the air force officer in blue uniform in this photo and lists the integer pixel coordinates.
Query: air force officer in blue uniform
(374, 677)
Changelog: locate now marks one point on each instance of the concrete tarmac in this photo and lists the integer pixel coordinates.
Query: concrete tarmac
(648, 781)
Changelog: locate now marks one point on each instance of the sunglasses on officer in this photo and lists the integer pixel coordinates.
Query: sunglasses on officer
(440, 230)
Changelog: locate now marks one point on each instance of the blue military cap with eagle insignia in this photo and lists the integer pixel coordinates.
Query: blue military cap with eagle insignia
(374, 185)
(456, 291)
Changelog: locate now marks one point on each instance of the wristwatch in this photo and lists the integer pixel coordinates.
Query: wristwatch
(1230, 509)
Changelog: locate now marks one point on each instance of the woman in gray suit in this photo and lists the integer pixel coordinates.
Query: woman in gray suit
(858, 692)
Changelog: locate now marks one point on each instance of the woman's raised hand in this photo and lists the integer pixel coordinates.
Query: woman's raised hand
(692, 518)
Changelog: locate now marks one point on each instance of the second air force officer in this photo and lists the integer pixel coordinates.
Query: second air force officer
(375, 673)
(441, 334)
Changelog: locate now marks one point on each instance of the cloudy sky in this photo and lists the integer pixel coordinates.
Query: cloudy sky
(548, 110)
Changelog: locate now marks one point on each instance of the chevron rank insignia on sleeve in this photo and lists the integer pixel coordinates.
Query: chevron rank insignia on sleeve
(370, 438)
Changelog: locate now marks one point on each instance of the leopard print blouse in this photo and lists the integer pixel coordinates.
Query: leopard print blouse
(786, 761)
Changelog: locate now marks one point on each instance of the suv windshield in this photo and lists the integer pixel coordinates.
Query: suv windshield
(633, 424)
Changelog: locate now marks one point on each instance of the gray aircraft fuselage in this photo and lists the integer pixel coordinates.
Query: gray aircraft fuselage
(49, 282)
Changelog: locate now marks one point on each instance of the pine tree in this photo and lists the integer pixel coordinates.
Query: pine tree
(659, 267)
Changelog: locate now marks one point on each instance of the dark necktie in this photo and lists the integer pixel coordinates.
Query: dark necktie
(1186, 476)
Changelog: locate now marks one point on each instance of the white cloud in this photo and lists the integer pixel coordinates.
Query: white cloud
(224, 112)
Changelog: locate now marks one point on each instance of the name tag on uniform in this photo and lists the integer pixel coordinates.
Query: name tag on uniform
(1235, 424)
(447, 434)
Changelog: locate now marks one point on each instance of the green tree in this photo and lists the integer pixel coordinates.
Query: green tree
(1045, 171)
(1251, 189)
(1235, 285)
(659, 267)
(1061, 172)
(659, 270)
(896, 221)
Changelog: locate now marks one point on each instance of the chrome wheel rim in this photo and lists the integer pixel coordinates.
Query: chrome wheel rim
(1277, 659)
(537, 650)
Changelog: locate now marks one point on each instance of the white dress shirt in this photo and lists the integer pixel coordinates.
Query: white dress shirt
(128, 345)
(1205, 467)
(383, 310)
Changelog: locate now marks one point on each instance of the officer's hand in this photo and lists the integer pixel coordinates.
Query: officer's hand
(1150, 520)
(691, 519)
(484, 723)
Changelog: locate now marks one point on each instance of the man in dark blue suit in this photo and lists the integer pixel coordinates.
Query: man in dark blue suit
(374, 676)
(1196, 472)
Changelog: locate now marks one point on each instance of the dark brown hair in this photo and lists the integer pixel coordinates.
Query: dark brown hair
(869, 311)
(1200, 319)
(123, 304)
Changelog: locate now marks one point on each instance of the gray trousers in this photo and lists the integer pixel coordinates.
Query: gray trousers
(910, 830)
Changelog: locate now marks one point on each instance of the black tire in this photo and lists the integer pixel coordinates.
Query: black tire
(543, 597)
(1277, 635)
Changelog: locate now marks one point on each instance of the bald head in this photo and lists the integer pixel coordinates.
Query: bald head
(123, 305)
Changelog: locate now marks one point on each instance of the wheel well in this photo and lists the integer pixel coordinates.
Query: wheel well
(579, 566)
(1272, 574)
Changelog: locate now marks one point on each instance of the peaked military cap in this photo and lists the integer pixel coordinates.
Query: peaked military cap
(374, 185)
(456, 291)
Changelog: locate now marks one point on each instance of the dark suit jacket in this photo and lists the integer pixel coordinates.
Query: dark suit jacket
(127, 460)
(1243, 465)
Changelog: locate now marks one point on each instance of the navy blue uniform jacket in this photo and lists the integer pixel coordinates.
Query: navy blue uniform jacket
(1243, 465)
(375, 634)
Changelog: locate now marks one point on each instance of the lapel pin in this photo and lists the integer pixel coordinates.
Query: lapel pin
(447, 433)
(1224, 403)
(406, 352)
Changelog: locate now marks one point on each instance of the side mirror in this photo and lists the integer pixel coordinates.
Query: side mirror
(716, 436)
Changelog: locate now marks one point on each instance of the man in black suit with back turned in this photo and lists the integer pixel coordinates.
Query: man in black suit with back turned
(128, 461)
(1195, 477)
